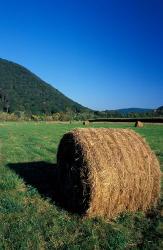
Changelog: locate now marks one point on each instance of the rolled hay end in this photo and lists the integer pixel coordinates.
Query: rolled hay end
(103, 172)
(139, 124)
(86, 123)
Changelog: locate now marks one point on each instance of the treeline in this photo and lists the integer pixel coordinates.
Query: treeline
(58, 116)
(70, 115)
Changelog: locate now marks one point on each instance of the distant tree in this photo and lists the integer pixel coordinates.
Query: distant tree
(4, 101)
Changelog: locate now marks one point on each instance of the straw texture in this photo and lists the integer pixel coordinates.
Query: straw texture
(103, 172)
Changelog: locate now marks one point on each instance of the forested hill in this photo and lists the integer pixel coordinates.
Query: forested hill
(21, 90)
(159, 111)
(133, 110)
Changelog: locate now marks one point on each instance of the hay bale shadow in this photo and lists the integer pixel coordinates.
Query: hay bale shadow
(41, 175)
(44, 177)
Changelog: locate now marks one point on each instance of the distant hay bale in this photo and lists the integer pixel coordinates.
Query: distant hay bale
(103, 172)
(86, 123)
(139, 124)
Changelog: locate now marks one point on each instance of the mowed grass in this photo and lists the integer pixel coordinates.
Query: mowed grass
(30, 218)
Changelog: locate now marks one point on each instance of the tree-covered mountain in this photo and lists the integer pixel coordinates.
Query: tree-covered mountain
(159, 111)
(21, 90)
(133, 110)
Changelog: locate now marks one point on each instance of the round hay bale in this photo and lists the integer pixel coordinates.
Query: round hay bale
(103, 172)
(86, 123)
(139, 124)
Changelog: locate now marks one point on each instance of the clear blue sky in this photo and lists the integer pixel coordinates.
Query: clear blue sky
(104, 54)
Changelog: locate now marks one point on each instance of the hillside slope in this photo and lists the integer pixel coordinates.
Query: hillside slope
(21, 90)
(159, 110)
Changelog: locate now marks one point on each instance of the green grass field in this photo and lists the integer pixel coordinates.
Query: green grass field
(29, 216)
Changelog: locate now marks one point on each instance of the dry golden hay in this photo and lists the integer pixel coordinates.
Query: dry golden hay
(139, 124)
(103, 172)
(86, 123)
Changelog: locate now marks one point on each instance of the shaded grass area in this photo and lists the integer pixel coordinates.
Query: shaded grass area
(29, 215)
(40, 175)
